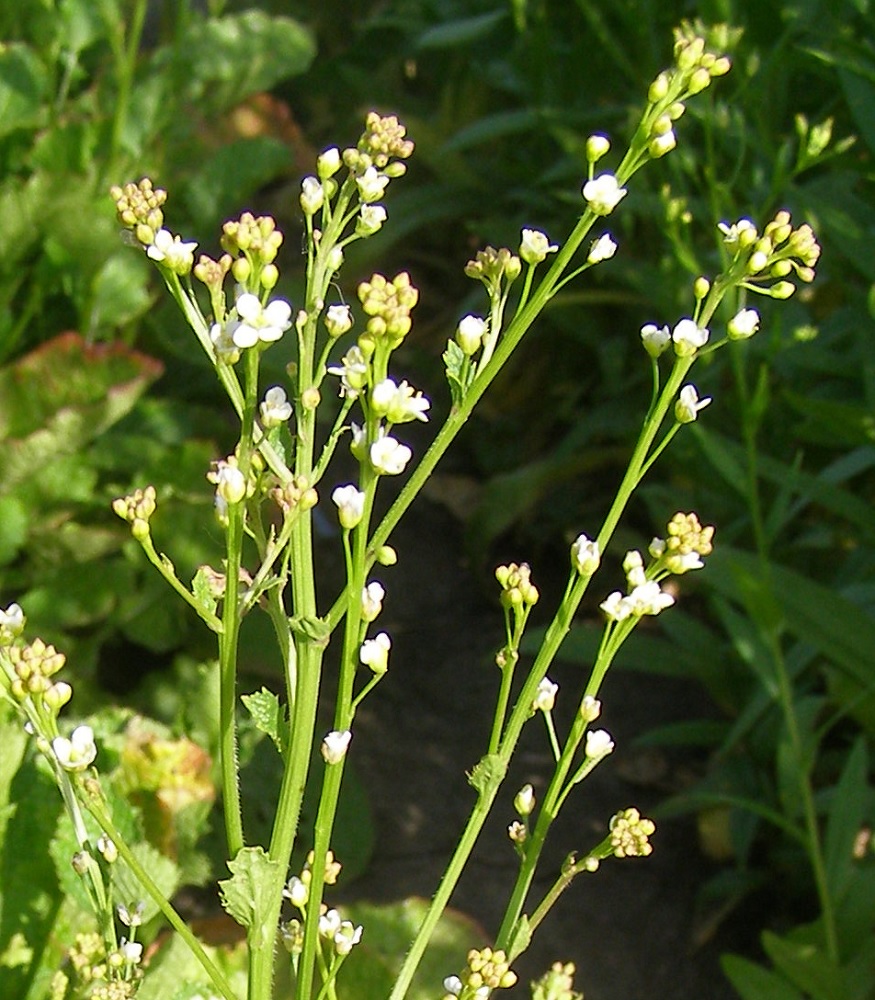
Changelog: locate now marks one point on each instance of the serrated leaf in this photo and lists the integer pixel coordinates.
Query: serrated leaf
(201, 588)
(488, 773)
(454, 361)
(246, 893)
(267, 714)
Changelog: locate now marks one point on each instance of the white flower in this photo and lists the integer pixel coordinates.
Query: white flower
(357, 441)
(633, 567)
(275, 409)
(11, 622)
(603, 194)
(334, 747)
(452, 984)
(223, 342)
(77, 752)
(329, 162)
(470, 333)
(350, 505)
(688, 404)
(388, 456)
(374, 653)
(655, 339)
(371, 185)
(682, 562)
(297, 892)
(346, 936)
(659, 145)
(739, 233)
(596, 147)
(744, 324)
(524, 801)
(312, 195)
(170, 250)
(616, 607)
(602, 249)
(688, 337)
(329, 924)
(260, 323)
(230, 481)
(338, 320)
(598, 743)
(372, 600)
(546, 696)
(649, 599)
(370, 220)
(353, 372)
(585, 555)
(398, 403)
(535, 246)
(590, 708)
(132, 951)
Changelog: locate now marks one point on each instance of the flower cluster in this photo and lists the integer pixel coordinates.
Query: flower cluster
(764, 262)
(388, 305)
(684, 547)
(486, 970)
(557, 984)
(137, 509)
(341, 934)
(644, 596)
(139, 209)
(629, 834)
(517, 589)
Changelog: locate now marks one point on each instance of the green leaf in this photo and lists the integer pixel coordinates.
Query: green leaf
(847, 811)
(230, 58)
(233, 173)
(246, 893)
(487, 774)
(24, 88)
(202, 589)
(267, 714)
(806, 966)
(163, 871)
(61, 396)
(454, 360)
(462, 31)
(29, 891)
(13, 528)
(388, 931)
(753, 982)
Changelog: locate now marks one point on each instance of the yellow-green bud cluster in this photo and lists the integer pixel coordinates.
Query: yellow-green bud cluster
(296, 494)
(33, 666)
(387, 305)
(695, 66)
(137, 509)
(384, 139)
(254, 243)
(490, 266)
(138, 208)
(487, 968)
(629, 834)
(557, 984)
(768, 259)
(686, 535)
(517, 589)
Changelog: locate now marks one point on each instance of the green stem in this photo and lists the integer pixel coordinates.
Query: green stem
(173, 918)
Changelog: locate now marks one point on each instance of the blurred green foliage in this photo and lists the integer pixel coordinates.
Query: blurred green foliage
(500, 96)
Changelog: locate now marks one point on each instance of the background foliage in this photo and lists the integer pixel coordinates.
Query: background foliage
(226, 107)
